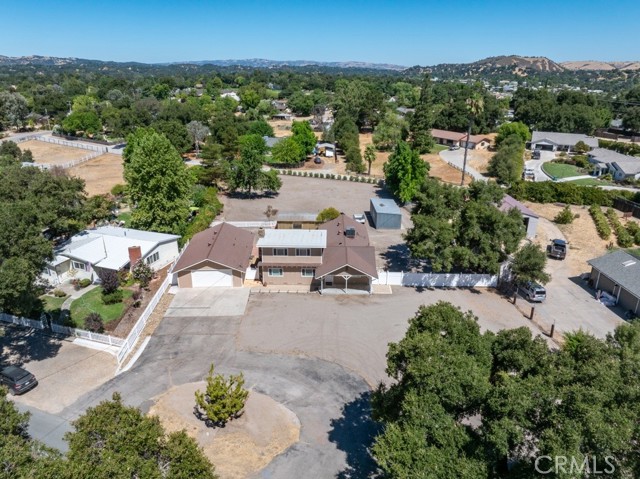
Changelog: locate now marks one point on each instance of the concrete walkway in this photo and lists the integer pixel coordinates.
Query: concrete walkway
(456, 159)
(73, 295)
(573, 178)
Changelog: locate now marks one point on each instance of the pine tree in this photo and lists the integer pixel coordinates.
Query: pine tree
(422, 120)
(223, 399)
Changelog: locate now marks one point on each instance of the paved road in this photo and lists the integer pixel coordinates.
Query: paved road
(456, 159)
(181, 350)
(46, 427)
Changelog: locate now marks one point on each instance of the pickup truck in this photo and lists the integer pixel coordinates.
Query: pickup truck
(557, 249)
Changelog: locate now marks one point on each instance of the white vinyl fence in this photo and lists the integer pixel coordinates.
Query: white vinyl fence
(437, 280)
(81, 333)
(247, 224)
(136, 331)
(29, 323)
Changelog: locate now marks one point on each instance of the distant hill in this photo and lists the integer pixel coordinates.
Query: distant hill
(262, 63)
(500, 66)
(600, 66)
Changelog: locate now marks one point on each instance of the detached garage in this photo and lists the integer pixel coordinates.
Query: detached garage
(218, 256)
(385, 214)
(618, 274)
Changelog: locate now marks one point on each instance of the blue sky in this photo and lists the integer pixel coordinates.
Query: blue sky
(383, 31)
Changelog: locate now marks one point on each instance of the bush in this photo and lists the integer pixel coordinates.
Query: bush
(136, 296)
(118, 190)
(142, 273)
(327, 214)
(110, 280)
(634, 230)
(625, 240)
(94, 323)
(565, 216)
(83, 283)
(58, 293)
(567, 193)
(223, 399)
(113, 297)
(600, 221)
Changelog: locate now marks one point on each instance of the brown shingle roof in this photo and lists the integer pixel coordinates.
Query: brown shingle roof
(447, 135)
(223, 244)
(360, 258)
(336, 232)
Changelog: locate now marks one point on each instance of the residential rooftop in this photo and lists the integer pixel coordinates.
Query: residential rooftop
(293, 239)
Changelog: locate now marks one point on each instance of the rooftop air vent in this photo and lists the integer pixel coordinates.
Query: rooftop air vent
(350, 232)
(628, 263)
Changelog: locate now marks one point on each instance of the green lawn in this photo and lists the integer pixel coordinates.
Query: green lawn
(91, 302)
(437, 148)
(126, 217)
(589, 182)
(52, 305)
(561, 170)
(634, 252)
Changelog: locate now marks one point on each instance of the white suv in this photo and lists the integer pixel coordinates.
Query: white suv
(360, 218)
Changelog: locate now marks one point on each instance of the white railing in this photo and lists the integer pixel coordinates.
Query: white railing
(23, 138)
(30, 323)
(72, 144)
(437, 280)
(136, 331)
(81, 333)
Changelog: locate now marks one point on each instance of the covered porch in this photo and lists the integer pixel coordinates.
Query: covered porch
(346, 280)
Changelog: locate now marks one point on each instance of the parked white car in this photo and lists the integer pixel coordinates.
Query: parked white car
(360, 218)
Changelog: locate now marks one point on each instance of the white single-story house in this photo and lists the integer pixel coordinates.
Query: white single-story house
(552, 141)
(618, 165)
(230, 94)
(111, 248)
(454, 138)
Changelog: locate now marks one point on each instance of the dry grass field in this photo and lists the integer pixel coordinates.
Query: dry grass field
(52, 154)
(100, 174)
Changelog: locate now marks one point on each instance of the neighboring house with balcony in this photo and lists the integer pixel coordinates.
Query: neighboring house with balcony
(110, 248)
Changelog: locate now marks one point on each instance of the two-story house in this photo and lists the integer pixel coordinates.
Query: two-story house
(290, 256)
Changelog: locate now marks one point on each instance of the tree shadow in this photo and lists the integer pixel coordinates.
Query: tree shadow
(20, 345)
(238, 195)
(398, 257)
(354, 433)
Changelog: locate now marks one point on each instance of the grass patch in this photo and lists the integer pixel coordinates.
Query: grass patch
(437, 148)
(52, 305)
(126, 217)
(635, 252)
(91, 302)
(589, 182)
(561, 170)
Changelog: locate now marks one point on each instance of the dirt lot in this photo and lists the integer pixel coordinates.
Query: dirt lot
(245, 445)
(52, 154)
(584, 242)
(479, 159)
(100, 174)
(444, 171)
(283, 127)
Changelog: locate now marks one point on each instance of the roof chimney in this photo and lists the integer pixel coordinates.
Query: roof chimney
(135, 255)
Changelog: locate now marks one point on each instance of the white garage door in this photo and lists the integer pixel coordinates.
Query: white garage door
(204, 279)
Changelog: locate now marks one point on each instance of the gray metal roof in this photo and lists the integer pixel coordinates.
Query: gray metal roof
(566, 139)
(629, 167)
(604, 155)
(621, 267)
(296, 217)
(293, 239)
(385, 205)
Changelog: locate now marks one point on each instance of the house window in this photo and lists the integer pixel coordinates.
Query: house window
(278, 272)
(297, 226)
(303, 252)
(153, 258)
(77, 265)
(280, 252)
(308, 272)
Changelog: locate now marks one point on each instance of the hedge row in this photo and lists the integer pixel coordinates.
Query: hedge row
(331, 176)
(625, 240)
(634, 230)
(562, 192)
(602, 226)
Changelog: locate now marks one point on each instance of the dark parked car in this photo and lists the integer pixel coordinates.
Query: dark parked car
(18, 380)
(557, 249)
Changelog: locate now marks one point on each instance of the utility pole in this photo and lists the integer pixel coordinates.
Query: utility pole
(466, 148)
